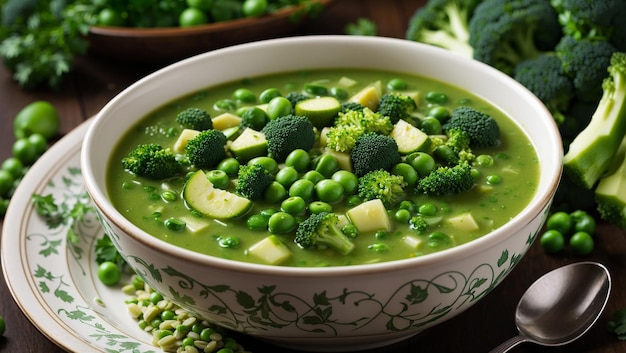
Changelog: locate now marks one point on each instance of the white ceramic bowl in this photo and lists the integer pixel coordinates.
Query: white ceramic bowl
(340, 308)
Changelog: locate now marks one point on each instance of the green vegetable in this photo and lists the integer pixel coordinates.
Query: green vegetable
(482, 129)
(396, 106)
(152, 161)
(581, 243)
(287, 133)
(610, 192)
(447, 180)
(3, 326)
(552, 241)
(207, 149)
(321, 230)
(590, 19)
(39, 117)
(372, 152)
(61, 214)
(191, 17)
(362, 27)
(618, 324)
(203, 197)
(444, 23)
(252, 180)
(380, 184)
(560, 221)
(109, 273)
(195, 119)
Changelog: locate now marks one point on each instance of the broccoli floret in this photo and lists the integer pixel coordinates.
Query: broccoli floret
(351, 125)
(152, 161)
(380, 184)
(207, 149)
(396, 106)
(321, 230)
(454, 148)
(444, 23)
(252, 180)
(347, 106)
(545, 77)
(295, 97)
(585, 61)
(504, 33)
(418, 223)
(195, 118)
(447, 180)
(610, 194)
(590, 153)
(482, 129)
(342, 138)
(588, 19)
(287, 133)
(372, 152)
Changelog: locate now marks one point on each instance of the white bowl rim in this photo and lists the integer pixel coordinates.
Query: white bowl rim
(457, 253)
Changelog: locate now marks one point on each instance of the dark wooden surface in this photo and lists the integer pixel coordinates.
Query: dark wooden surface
(96, 80)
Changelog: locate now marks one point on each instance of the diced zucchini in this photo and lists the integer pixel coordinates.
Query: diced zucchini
(271, 250)
(232, 133)
(225, 120)
(200, 195)
(464, 222)
(409, 138)
(370, 216)
(346, 81)
(249, 144)
(183, 138)
(196, 224)
(321, 110)
(369, 96)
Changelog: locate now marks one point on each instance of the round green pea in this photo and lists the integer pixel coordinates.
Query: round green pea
(560, 221)
(315, 89)
(427, 209)
(109, 273)
(552, 241)
(268, 94)
(407, 172)
(347, 179)
(254, 118)
(440, 113)
(583, 222)
(244, 95)
(484, 160)
(402, 215)
(229, 165)
(327, 164)
(320, 206)
(218, 178)
(226, 105)
(294, 205)
(581, 243)
(6, 182)
(257, 221)
(275, 193)
(422, 162)
(268, 163)
(299, 159)
(493, 179)
(339, 93)
(14, 166)
(435, 97)
(329, 190)
(287, 176)
(313, 176)
(397, 84)
(431, 126)
(278, 106)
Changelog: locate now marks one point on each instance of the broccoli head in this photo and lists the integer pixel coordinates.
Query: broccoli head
(380, 184)
(342, 138)
(195, 118)
(585, 61)
(482, 129)
(252, 180)
(545, 77)
(588, 19)
(207, 149)
(369, 120)
(504, 33)
(454, 148)
(287, 133)
(447, 180)
(321, 230)
(295, 97)
(443, 23)
(396, 106)
(418, 223)
(346, 106)
(152, 161)
(372, 152)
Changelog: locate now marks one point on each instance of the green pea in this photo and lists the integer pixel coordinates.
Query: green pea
(440, 113)
(168, 196)
(438, 239)
(244, 95)
(267, 212)
(493, 179)
(560, 221)
(353, 200)
(427, 209)
(228, 242)
(581, 243)
(327, 164)
(174, 224)
(407, 172)
(320, 206)
(39, 142)
(254, 118)
(25, 151)
(299, 159)
(294, 205)
(225, 105)
(329, 190)
(422, 162)
(268, 94)
(281, 222)
(14, 166)
(484, 160)
(109, 273)
(313, 176)
(218, 178)
(268, 163)
(155, 297)
(583, 222)
(4, 205)
(402, 215)
(435, 97)
(206, 333)
(275, 193)
(339, 93)
(315, 89)
(397, 84)
(257, 221)
(6, 182)
(287, 176)
(431, 126)
(408, 205)
(347, 179)
(552, 241)
(350, 230)
(278, 106)
(378, 247)
(229, 165)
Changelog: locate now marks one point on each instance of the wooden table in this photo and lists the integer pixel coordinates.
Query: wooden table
(482, 327)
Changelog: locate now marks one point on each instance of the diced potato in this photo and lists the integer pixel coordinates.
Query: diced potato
(369, 96)
(464, 222)
(370, 216)
(183, 138)
(225, 120)
(408, 137)
(324, 136)
(271, 250)
(412, 241)
(196, 224)
(346, 82)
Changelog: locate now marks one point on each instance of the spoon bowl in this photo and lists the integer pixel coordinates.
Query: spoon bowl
(561, 305)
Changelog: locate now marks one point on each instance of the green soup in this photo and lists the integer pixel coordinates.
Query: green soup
(503, 186)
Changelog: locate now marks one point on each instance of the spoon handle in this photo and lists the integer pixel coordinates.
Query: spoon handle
(508, 344)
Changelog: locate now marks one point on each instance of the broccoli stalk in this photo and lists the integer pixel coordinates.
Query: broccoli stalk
(610, 194)
(321, 230)
(591, 152)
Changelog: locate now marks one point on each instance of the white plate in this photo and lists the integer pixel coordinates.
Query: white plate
(55, 283)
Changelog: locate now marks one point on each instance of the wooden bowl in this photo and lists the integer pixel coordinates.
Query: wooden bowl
(167, 44)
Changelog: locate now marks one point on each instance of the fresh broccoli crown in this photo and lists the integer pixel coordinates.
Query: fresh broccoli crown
(587, 19)
(418, 223)
(369, 120)
(287, 133)
(380, 184)
(321, 230)
(342, 138)
(295, 97)
(372, 152)
(592, 150)
(454, 148)
(396, 106)
(545, 77)
(252, 180)
(585, 61)
(444, 23)
(195, 118)
(207, 149)
(152, 161)
(504, 33)
(482, 129)
(447, 180)
(346, 106)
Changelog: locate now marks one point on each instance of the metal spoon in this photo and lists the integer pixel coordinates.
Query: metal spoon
(561, 305)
